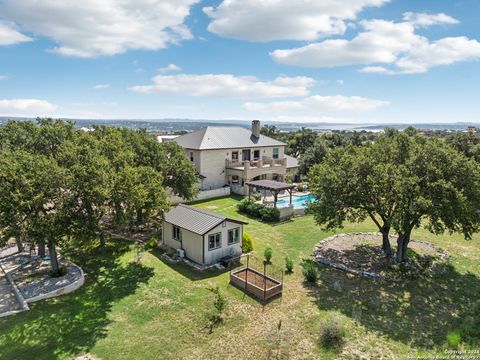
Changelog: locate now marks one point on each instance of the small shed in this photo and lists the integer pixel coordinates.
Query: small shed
(202, 236)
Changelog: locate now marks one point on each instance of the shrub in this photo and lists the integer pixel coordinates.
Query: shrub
(247, 243)
(288, 265)
(269, 214)
(219, 305)
(267, 254)
(332, 332)
(257, 196)
(260, 211)
(309, 271)
(151, 243)
(453, 339)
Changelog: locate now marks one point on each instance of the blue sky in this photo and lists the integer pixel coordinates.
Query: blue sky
(332, 60)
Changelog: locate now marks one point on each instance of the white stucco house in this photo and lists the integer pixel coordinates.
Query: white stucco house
(231, 156)
(202, 236)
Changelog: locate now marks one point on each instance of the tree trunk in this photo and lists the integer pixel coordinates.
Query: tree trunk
(41, 250)
(53, 257)
(387, 249)
(19, 244)
(402, 246)
(102, 239)
(139, 215)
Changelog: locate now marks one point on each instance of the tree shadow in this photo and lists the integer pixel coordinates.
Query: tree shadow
(71, 324)
(418, 312)
(186, 270)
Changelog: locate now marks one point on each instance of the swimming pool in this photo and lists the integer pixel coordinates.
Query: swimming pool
(298, 202)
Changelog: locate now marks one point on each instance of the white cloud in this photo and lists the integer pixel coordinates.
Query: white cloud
(376, 70)
(383, 42)
(101, 86)
(10, 36)
(309, 20)
(3, 77)
(426, 20)
(340, 82)
(170, 68)
(26, 107)
(90, 28)
(227, 86)
(317, 103)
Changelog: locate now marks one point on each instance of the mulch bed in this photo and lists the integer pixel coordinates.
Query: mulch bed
(256, 279)
(362, 254)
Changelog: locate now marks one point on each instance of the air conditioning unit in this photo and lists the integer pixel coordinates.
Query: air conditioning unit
(181, 253)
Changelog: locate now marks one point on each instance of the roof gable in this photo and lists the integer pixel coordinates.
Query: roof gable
(224, 137)
(196, 220)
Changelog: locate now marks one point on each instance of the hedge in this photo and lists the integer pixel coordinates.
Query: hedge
(257, 210)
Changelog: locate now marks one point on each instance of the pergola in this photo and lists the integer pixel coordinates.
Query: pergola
(273, 186)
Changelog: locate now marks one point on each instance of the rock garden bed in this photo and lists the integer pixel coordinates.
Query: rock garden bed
(361, 254)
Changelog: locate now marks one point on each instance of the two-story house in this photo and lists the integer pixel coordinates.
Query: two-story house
(231, 156)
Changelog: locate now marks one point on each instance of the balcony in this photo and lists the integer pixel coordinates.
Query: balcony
(264, 163)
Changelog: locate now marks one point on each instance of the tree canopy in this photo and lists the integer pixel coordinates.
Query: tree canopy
(400, 182)
(58, 182)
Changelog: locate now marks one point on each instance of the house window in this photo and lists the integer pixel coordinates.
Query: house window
(234, 156)
(233, 236)
(235, 179)
(191, 155)
(176, 233)
(214, 241)
(256, 154)
(275, 177)
(275, 153)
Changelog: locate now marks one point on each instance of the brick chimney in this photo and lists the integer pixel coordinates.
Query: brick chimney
(256, 128)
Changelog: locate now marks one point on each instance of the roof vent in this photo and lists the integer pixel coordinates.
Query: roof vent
(256, 128)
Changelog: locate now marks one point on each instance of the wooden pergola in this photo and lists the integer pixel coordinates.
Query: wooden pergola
(273, 186)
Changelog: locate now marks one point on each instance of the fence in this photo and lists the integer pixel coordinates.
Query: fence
(203, 195)
(256, 277)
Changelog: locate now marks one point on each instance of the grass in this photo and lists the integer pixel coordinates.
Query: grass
(156, 310)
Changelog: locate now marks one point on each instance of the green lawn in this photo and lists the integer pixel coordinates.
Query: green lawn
(155, 310)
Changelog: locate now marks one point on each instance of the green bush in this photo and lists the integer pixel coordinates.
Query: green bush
(257, 210)
(309, 271)
(267, 254)
(269, 214)
(151, 243)
(453, 339)
(288, 265)
(332, 332)
(247, 243)
(257, 196)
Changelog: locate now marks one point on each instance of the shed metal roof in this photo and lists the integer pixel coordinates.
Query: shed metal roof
(196, 220)
(224, 137)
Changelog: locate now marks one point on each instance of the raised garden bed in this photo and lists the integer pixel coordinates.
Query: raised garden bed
(253, 282)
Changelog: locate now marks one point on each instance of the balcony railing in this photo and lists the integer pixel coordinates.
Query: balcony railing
(265, 162)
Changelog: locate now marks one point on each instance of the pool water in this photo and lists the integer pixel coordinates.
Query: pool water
(298, 202)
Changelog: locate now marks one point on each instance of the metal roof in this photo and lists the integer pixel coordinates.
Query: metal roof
(270, 185)
(224, 137)
(195, 220)
(291, 162)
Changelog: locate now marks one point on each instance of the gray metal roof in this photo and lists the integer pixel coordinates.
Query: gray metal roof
(291, 162)
(195, 220)
(224, 137)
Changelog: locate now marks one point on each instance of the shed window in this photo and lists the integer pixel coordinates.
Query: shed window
(234, 156)
(191, 155)
(233, 236)
(256, 154)
(275, 153)
(176, 233)
(214, 241)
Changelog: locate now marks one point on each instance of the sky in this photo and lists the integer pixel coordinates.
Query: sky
(336, 61)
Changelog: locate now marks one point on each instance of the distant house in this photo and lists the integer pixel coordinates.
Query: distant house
(232, 156)
(472, 129)
(202, 236)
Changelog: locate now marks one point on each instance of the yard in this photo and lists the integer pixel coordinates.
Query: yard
(155, 310)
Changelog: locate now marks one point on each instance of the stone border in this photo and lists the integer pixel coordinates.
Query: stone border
(18, 295)
(61, 291)
(366, 274)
